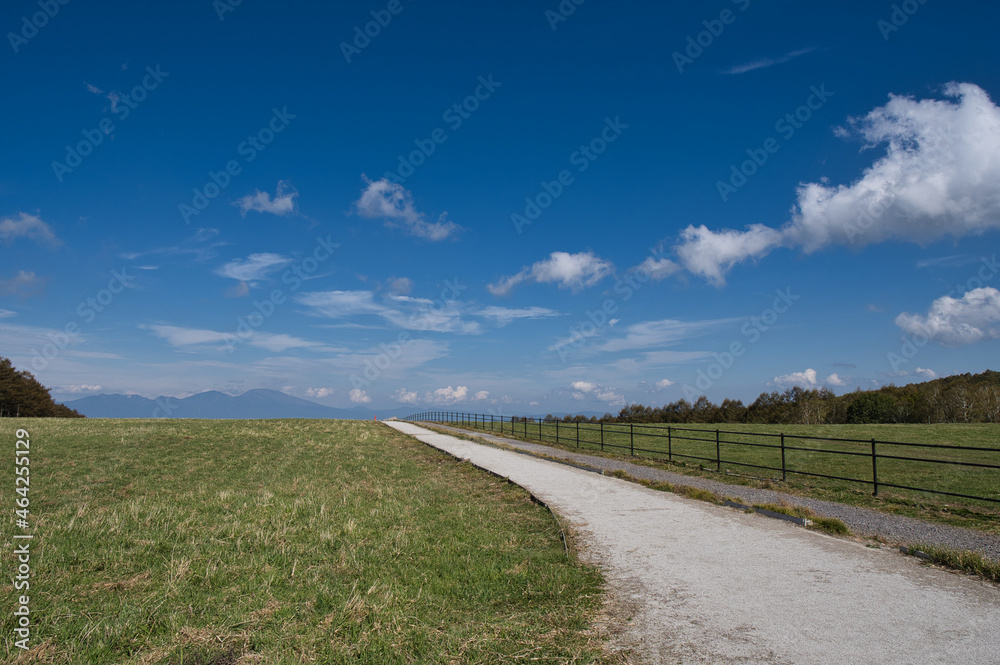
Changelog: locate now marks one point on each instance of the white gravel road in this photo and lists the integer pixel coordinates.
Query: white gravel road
(716, 585)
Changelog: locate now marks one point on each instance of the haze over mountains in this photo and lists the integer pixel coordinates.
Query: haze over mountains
(259, 403)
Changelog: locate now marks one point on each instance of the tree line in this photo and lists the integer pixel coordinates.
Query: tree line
(962, 398)
(22, 396)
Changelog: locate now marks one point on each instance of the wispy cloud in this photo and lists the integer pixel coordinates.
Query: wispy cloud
(504, 315)
(27, 226)
(253, 268)
(23, 284)
(765, 62)
(405, 312)
(282, 204)
(394, 204)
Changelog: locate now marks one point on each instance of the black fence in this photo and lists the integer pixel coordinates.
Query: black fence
(967, 472)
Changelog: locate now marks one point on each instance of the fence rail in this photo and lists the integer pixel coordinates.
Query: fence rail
(958, 470)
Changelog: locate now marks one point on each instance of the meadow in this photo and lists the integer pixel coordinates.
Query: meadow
(751, 454)
(285, 541)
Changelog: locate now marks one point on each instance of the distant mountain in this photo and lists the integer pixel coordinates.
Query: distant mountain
(259, 403)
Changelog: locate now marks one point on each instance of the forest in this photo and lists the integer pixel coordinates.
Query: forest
(962, 398)
(22, 396)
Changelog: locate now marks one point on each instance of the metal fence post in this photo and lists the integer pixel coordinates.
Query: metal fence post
(631, 439)
(783, 477)
(577, 433)
(718, 452)
(874, 470)
(602, 436)
(670, 445)
(557, 431)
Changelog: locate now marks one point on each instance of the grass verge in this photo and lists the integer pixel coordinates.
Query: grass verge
(176, 542)
(964, 561)
(923, 506)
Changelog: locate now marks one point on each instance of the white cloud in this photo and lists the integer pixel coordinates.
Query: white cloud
(956, 322)
(573, 271)
(447, 395)
(93, 88)
(763, 63)
(27, 226)
(659, 333)
(611, 397)
(359, 396)
(712, 253)
(282, 204)
(75, 390)
(938, 177)
(178, 336)
(481, 395)
(401, 286)
(338, 304)
(405, 396)
(806, 379)
(254, 267)
(504, 315)
(404, 311)
(663, 383)
(583, 390)
(6, 313)
(658, 269)
(926, 373)
(835, 380)
(393, 203)
(320, 393)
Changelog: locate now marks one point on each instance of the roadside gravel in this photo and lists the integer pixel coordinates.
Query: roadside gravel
(863, 522)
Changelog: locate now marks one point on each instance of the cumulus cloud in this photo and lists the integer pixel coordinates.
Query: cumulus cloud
(23, 283)
(938, 177)
(401, 286)
(926, 373)
(319, 393)
(806, 379)
(481, 395)
(447, 395)
(393, 203)
(27, 226)
(835, 380)
(405, 396)
(359, 396)
(658, 268)
(253, 268)
(282, 204)
(957, 322)
(663, 383)
(583, 390)
(573, 271)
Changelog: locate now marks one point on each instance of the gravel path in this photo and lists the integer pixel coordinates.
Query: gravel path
(862, 521)
(707, 584)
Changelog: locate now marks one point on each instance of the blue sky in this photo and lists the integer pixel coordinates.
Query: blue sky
(499, 207)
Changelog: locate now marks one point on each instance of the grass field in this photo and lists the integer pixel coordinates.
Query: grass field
(222, 542)
(692, 451)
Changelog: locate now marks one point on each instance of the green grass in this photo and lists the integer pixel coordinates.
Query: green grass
(967, 562)
(684, 447)
(195, 542)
